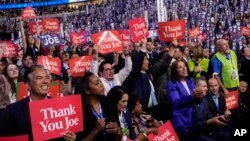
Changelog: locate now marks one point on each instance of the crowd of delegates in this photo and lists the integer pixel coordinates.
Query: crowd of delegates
(146, 86)
(106, 15)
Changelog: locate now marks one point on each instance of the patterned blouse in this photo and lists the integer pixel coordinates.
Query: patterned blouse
(142, 122)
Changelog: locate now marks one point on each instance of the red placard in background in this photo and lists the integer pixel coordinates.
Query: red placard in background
(232, 100)
(32, 26)
(78, 38)
(79, 65)
(108, 41)
(28, 13)
(51, 24)
(125, 36)
(138, 29)
(165, 133)
(52, 64)
(52, 117)
(245, 31)
(194, 32)
(10, 49)
(169, 31)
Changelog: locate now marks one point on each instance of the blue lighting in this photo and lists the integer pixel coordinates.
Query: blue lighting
(37, 4)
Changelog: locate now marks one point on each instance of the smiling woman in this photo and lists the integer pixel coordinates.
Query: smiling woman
(119, 97)
(100, 120)
(8, 83)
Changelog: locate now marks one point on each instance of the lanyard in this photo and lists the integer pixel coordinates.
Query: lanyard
(231, 60)
(98, 116)
(122, 120)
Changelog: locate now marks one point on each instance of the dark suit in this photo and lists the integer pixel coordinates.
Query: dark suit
(212, 106)
(19, 117)
(206, 132)
(128, 119)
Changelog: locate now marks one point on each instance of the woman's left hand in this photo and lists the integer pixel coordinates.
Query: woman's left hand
(69, 136)
(112, 127)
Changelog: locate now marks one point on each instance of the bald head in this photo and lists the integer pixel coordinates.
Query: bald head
(222, 46)
(213, 86)
(243, 86)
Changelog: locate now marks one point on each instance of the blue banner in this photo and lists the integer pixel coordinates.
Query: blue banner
(38, 4)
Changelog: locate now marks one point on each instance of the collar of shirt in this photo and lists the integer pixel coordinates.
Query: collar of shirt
(214, 96)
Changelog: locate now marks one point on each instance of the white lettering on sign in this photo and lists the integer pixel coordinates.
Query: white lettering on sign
(51, 40)
(66, 123)
(165, 136)
(139, 26)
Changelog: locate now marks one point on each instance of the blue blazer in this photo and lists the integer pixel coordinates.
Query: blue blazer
(182, 102)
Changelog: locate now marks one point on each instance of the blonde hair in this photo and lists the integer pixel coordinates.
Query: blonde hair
(197, 52)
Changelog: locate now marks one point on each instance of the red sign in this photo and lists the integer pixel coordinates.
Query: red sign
(33, 27)
(232, 100)
(51, 118)
(194, 32)
(245, 30)
(78, 38)
(22, 91)
(15, 138)
(138, 29)
(51, 24)
(54, 89)
(52, 64)
(182, 43)
(165, 133)
(108, 41)
(28, 13)
(10, 49)
(125, 36)
(202, 37)
(79, 65)
(169, 31)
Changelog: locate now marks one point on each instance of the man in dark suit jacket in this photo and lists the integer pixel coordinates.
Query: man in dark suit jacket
(209, 120)
(37, 81)
(216, 100)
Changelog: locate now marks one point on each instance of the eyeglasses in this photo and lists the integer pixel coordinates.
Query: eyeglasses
(109, 69)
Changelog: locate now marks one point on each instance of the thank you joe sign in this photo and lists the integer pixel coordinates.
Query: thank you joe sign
(28, 13)
(165, 133)
(80, 65)
(51, 118)
(172, 30)
(108, 41)
(138, 29)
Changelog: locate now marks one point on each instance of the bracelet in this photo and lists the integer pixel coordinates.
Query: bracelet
(119, 131)
(144, 134)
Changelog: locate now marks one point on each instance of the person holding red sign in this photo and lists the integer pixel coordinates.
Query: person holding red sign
(31, 45)
(100, 120)
(106, 71)
(37, 80)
